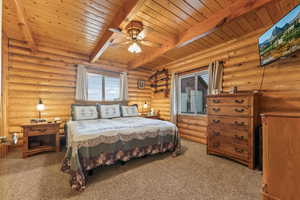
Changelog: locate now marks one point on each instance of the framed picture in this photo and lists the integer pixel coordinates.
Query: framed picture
(141, 84)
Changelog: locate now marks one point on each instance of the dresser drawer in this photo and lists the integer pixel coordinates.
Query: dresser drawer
(225, 146)
(229, 110)
(234, 135)
(234, 101)
(233, 122)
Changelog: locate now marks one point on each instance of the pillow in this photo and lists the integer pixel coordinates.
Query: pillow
(129, 111)
(109, 111)
(84, 112)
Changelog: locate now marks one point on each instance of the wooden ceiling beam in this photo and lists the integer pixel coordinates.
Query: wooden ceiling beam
(125, 13)
(202, 29)
(24, 25)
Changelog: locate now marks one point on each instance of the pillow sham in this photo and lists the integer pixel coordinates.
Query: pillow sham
(109, 111)
(84, 112)
(129, 111)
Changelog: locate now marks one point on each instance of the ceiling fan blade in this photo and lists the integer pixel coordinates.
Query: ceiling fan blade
(150, 44)
(141, 35)
(120, 44)
(117, 30)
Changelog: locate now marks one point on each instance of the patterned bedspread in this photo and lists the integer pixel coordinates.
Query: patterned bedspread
(92, 143)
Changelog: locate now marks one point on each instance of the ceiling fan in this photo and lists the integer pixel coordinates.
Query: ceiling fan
(135, 37)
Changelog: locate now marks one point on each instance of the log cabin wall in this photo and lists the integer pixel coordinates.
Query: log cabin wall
(50, 74)
(136, 95)
(279, 82)
(160, 102)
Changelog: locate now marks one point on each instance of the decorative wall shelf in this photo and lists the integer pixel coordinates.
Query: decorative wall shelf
(160, 82)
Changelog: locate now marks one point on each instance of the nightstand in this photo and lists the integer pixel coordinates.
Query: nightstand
(151, 116)
(40, 137)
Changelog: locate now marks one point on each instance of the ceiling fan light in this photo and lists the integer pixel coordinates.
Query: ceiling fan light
(134, 48)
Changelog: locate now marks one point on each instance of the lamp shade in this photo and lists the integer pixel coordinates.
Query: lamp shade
(40, 106)
(145, 105)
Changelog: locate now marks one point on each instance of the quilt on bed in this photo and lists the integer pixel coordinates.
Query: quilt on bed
(92, 143)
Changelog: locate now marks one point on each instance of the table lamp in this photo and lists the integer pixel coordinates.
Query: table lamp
(145, 106)
(40, 107)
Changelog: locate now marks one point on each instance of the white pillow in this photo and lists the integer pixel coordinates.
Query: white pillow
(84, 112)
(129, 111)
(110, 111)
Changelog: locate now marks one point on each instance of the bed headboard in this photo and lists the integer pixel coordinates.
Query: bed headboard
(124, 103)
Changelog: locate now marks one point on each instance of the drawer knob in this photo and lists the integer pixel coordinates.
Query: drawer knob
(239, 137)
(216, 109)
(216, 134)
(216, 101)
(239, 123)
(239, 110)
(216, 121)
(216, 145)
(239, 101)
(239, 150)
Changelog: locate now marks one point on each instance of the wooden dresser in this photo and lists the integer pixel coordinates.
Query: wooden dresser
(281, 156)
(232, 119)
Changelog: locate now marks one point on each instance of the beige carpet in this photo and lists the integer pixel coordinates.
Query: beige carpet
(193, 175)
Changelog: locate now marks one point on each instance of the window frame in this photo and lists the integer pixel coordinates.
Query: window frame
(195, 75)
(103, 88)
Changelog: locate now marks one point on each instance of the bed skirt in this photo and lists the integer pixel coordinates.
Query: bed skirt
(78, 178)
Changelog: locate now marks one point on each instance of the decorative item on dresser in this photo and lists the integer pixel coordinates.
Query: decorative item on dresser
(40, 137)
(281, 156)
(232, 119)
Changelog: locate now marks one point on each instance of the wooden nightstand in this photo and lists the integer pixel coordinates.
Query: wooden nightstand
(151, 116)
(40, 137)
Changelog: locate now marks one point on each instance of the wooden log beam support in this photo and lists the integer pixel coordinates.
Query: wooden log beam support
(125, 12)
(202, 29)
(24, 24)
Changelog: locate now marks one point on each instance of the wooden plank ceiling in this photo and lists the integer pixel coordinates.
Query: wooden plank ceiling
(78, 25)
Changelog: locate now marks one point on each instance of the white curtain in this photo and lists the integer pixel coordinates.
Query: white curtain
(81, 84)
(124, 87)
(215, 73)
(174, 98)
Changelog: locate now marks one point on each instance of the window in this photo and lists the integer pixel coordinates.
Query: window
(103, 88)
(193, 92)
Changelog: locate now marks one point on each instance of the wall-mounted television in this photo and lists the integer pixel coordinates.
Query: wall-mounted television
(282, 39)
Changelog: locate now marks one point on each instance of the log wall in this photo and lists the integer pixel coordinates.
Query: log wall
(279, 82)
(50, 74)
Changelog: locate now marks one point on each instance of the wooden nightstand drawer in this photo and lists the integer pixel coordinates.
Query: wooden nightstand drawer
(44, 130)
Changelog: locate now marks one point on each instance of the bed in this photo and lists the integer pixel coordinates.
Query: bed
(98, 142)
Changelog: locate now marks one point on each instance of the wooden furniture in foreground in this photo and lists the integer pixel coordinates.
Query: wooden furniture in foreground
(281, 156)
(232, 119)
(3, 149)
(40, 137)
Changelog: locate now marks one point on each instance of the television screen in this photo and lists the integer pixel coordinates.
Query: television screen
(282, 39)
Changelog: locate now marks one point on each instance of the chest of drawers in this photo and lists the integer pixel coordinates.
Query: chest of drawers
(232, 119)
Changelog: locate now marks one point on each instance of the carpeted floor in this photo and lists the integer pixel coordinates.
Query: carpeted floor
(193, 175)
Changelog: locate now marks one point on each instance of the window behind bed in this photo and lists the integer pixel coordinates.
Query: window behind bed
(103, 88)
